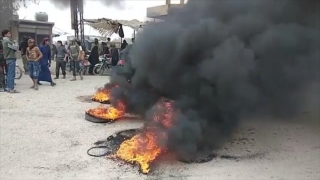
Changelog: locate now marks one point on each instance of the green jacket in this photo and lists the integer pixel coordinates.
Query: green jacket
(8, 46)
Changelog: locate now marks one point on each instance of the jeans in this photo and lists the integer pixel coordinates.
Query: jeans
(11, 64)
(75, 65)
(34, 69)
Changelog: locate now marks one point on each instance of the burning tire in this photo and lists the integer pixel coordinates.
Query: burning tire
(102, 96)
(102, 102)
(94, 119)
(104, 114)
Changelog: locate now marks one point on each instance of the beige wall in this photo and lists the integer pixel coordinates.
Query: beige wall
(39, 29)
(154, 12)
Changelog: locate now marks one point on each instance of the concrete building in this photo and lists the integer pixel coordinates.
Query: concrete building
(34, 29)
(161, 12)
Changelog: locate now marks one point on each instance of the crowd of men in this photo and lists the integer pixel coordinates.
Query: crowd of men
(37, 60)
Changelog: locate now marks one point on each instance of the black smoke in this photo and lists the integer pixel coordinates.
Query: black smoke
(222, 61)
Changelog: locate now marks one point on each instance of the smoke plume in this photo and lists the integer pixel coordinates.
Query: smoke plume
(222, 61)
(65, 4)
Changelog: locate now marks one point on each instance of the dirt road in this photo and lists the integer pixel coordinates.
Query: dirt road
(44, 136)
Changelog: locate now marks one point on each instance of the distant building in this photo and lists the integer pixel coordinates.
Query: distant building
(34, 29)
(162, 12)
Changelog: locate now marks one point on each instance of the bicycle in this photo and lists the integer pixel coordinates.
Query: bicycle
(100, 68)
(18, 72)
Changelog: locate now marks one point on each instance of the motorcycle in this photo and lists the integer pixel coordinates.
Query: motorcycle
(103, 66)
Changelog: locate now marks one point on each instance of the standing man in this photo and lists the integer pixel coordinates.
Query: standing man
(23, 49)
(124, 45)
(45, 63)
(107, 51)
(2, 66)
(114, 55)
(61, 60)
(53, 52)
(75, 52)
(9, 53)
(94, 56)
(33, 57)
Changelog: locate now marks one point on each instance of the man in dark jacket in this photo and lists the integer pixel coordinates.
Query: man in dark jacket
(94, 56)
(114, 55)
(23, 49)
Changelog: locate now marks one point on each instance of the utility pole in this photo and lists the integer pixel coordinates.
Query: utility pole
(6, 13)
(76, 7)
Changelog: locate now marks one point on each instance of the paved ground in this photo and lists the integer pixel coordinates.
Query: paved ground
(44, 136)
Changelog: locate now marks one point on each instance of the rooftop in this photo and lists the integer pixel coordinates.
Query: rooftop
(33, 22)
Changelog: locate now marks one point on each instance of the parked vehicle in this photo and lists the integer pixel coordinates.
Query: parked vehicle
(103, 66)
(19, 71)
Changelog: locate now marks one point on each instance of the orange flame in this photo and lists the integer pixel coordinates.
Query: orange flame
(140, 149)
(102, 95)
(144, 148)
(108, 113)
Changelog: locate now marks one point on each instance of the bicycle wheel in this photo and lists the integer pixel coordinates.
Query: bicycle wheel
(18, 72)
(103, 67)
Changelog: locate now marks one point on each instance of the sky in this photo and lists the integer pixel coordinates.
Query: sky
(93, 9)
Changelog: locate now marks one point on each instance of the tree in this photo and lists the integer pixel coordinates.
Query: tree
(8, 10)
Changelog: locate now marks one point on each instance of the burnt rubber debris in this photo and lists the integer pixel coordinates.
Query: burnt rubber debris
(112, 143)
